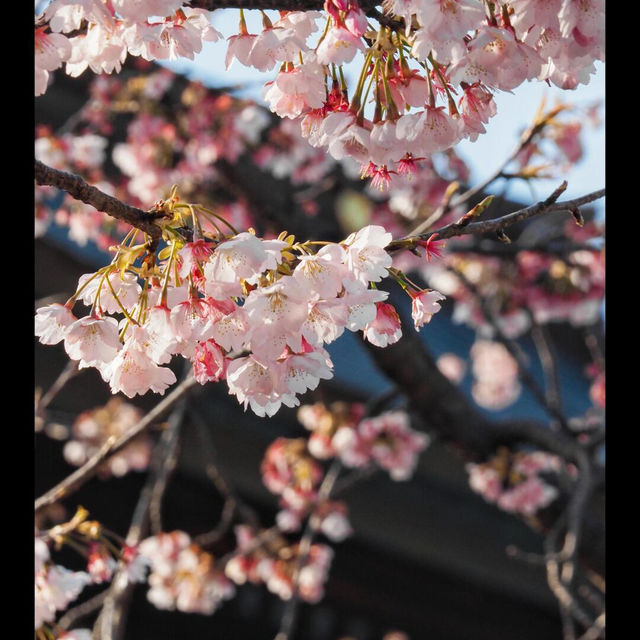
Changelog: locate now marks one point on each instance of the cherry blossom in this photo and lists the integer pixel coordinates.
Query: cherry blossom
(55, 586)
(182, 575)
(93, 428)
(52, 322)
(385, 329)
(513, 483)
(423, 305)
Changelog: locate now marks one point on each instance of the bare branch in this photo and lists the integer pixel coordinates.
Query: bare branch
(74, 481)
(76, 187)
(232, 502)
(499, 224)
(110, 623)
(70, 371)
(82, 610)
(548, 360)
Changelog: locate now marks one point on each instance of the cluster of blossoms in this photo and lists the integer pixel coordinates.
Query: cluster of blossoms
(386, 441)
(183, 576)
(154, 30)
(179, 144)
(495, 371)
(180, 141)
(56, 587)
(545, 287)
(92, 429)
(436, 50)
(290, 471)
(253, 312)
(512, 480)
(274, 564)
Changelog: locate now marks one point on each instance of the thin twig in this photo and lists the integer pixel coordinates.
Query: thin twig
(82, 610)
(232, 501)
(548, 360)
(74, 481)
(499, 224)
(70, 371)
(167, 461)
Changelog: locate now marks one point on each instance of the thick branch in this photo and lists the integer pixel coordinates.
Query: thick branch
(76, 187)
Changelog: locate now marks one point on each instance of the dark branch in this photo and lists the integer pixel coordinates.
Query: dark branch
(74, 481)
(499, 224)
(76, 187)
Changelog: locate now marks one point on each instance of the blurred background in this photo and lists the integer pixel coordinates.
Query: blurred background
(429, 556)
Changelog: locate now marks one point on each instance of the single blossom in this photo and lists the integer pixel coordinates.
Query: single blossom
(423, 305)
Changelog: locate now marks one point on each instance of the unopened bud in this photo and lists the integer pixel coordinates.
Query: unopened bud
(480, 208)
(503, 237)
(577, 216)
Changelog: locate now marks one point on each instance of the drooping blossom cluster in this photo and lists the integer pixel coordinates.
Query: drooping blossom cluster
(250, 311)
(92, 429)
(410, 73)
(274, 564)
(512, 480)
(182, 576)
(55, 586)
(290, 471)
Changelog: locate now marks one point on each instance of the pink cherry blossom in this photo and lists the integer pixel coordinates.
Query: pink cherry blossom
(52, 322)
(338, 46)
(209, 363)
(183, 576)
(93, 341)
(323, 272)
(366, 257)
(133, 371)
(423, 305)
(385, 329)
(296, 91)
(51, 50)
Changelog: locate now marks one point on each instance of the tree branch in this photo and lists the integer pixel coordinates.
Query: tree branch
(76, 187)
(74, 481)
(499, 224)
(110, 625)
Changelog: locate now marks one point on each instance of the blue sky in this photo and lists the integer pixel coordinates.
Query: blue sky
(515, 111)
